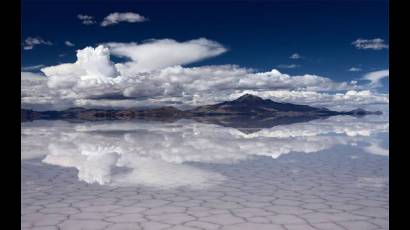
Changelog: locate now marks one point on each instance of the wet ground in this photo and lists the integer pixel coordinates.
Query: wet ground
(322, 174)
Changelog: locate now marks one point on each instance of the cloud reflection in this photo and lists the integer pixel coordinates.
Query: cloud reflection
(129, 153)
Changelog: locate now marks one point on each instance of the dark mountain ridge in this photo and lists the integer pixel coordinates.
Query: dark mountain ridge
(244, 108)
(249, 104)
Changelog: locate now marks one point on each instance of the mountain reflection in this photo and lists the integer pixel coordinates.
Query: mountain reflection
(152, 153)
(253, 124)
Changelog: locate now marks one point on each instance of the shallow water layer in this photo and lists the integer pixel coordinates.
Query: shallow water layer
(322, 174)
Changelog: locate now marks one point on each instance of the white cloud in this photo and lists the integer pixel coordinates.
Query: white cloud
(37, 95)
(30, 42)
(115, 18)
(355, 69)
(204, 85)
(290, 66)
(156, 54)
(376, 76)
(154, 77)
(86, 19)
(374, 44)
(295, 56)
(91, 64)
(32, 67)
(68, 43)
(337, 101)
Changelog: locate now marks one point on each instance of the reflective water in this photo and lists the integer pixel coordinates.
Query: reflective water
(226, 174)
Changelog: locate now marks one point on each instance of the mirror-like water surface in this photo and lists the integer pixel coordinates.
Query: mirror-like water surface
(321, 174)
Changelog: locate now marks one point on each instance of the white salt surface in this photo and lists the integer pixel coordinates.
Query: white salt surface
(323, 174)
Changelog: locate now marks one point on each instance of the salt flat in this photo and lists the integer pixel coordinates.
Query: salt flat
(322, 174)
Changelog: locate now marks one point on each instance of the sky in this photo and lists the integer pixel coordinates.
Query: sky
(189, 53)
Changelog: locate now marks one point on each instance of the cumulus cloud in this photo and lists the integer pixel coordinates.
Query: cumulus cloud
(30, 42)
(295, 56)
(373, 44)
(68, 43)
(355, 69)
(185, 87)
(290, 66)
(91, 64)
(86, 19)
(153, 76)
(115, 18)
(376, 76)
(351, 99)
(37, 95)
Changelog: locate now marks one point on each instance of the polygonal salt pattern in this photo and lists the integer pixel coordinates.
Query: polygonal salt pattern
(320, 191)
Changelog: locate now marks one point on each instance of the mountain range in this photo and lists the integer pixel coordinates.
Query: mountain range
(245, 108)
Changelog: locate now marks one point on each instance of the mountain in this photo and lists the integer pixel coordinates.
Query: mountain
(252, 105)
(247, 107)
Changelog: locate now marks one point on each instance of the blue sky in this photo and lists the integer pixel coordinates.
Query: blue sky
(261, 36)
